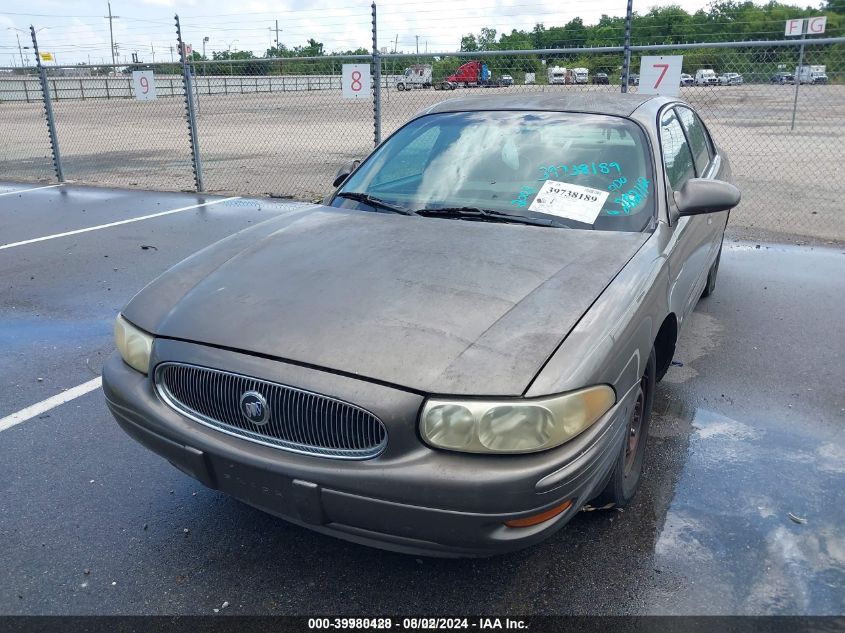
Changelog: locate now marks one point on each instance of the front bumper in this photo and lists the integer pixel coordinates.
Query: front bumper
(410, 499)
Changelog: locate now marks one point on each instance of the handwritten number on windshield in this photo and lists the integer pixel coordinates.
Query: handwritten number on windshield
(582, 169)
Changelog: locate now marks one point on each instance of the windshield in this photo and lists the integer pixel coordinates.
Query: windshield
(578, 170)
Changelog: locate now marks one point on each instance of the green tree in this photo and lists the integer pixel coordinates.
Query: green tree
(487, 39)
(469, 43)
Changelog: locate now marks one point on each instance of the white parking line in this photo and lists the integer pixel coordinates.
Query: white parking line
(9, 193)
(110, 224)
(50, 403)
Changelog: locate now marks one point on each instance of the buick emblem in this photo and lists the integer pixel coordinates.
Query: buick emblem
(254, 408)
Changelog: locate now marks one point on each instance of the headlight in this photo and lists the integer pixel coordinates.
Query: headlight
(133, 344)
(513, 426)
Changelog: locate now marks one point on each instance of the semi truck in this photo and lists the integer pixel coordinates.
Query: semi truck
(416, 76)
(812, 74)
(420, 76)
(470, 74)
(474, 73)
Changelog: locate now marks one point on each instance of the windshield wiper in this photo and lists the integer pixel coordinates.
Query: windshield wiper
(360, 196)
(484, 214)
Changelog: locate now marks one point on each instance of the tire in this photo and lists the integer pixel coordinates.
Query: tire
(710, 286)
(400, 87)
(624, 479)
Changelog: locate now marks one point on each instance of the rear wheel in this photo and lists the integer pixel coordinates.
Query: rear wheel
(400, 87)
(626, 474)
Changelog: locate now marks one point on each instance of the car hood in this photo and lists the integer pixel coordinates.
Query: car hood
(429, 304)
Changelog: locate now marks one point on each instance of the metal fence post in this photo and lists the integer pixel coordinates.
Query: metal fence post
(48, 110)
(800, 69)
(376, 74)
(189, 110)
(196, 88)
(626, 55)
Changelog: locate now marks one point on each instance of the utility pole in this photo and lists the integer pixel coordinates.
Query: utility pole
(418, 44)
(171, 53)
(396, 44)
(153, 51)
(277, 34)
(20, 50)
(111, 36)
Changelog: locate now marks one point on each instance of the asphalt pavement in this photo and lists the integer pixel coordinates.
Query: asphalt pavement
(741, 510)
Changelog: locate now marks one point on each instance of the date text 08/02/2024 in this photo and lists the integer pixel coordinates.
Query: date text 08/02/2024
(415, 624)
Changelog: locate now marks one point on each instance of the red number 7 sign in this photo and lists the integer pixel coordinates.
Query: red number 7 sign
(660, 74)
(665, 67)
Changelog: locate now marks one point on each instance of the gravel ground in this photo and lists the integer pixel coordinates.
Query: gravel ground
(291, 144)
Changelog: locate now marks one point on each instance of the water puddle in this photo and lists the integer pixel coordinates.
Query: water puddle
(18, 334)
(729, 544)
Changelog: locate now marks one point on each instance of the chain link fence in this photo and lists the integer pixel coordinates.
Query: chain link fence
(25, 152)
(785, 145)
(283, 134)
(282, 127)
(110, 138)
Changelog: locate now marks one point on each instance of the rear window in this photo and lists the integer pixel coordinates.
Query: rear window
(587, 171)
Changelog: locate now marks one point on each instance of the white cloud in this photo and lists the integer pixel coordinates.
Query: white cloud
(146, 25)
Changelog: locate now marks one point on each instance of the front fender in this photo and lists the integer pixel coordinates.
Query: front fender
(611, 343)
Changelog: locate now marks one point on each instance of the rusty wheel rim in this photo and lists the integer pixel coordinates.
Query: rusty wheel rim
(635, 424)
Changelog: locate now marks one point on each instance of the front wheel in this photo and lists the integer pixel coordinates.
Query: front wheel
(627, 471)
(400, 87)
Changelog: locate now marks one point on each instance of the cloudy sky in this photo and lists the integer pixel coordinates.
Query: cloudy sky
(76, 30)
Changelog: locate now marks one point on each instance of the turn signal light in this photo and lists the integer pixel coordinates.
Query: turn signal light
(539, 518)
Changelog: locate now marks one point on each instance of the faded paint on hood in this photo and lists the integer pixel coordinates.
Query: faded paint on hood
(435, 305)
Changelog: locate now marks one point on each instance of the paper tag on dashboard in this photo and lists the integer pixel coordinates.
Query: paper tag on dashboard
(565, 200)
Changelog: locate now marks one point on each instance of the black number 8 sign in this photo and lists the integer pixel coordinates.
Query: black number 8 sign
(356, 81)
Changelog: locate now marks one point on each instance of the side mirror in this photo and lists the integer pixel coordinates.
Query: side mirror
(699, 195)
(343, 173)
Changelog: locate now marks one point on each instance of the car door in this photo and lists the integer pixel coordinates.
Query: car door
(691, 245)
(708, 164)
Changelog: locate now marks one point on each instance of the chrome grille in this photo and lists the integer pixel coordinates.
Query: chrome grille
(299, 421)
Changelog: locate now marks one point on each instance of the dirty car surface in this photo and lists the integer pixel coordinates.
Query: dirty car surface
(458, 350)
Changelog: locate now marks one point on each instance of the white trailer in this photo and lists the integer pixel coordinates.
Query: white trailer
(580, 75)
(557, 75)
(706, 77)
(812, 74)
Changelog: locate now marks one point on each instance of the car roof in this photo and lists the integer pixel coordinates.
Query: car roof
(619, 104)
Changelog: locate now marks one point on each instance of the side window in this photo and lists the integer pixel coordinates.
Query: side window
(411, 159)
(697, 135)
(676, 152)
